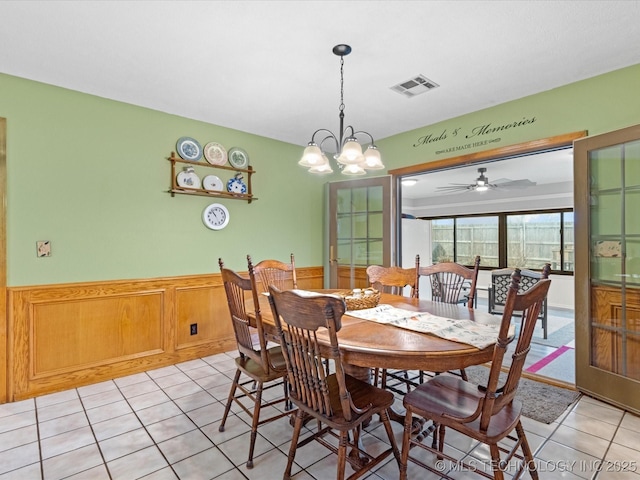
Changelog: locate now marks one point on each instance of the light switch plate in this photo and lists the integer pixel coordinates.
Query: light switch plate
(43, 247)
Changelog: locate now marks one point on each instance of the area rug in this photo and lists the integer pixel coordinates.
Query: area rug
(540, 401)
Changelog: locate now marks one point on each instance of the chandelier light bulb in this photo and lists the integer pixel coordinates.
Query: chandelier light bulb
(351, 153)
(322, 168)
(353, 169)
(311, 157)
(372, 159)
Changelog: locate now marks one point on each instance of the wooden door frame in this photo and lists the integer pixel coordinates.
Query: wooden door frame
(500, 153)
(3, 261)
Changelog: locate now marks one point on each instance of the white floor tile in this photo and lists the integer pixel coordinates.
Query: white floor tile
(164, 424)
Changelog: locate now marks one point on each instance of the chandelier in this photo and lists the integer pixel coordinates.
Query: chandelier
(348, 151)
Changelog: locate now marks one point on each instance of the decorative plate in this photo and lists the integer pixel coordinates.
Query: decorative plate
(188, 179)
(211, 182)
(189, 149)
(238, 158)
(215, 153)
(236, 185)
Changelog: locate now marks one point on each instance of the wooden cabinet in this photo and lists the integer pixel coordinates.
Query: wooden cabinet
(226, 172)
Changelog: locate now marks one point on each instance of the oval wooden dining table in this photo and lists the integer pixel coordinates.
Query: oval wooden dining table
(367, 344)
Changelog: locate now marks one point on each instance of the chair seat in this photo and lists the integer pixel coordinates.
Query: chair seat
(446, 396)
(252, 368)
(362, 394)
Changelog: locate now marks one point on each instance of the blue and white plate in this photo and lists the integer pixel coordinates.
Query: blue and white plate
(188, 179)
(236, 185)
(189, 149)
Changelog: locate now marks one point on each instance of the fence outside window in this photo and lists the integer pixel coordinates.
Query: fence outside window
(529, 240)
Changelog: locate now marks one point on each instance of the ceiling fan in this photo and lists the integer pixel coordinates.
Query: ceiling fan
(482, 184)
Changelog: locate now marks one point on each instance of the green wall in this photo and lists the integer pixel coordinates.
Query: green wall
(599, 104)
(91, 175)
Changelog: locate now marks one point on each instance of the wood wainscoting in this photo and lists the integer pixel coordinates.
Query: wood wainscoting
(69, 335)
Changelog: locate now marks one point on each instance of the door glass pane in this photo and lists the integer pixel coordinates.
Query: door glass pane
(632, 164)
(631, 213)
(344, 226)
(359, 225)
(360, 252)
(605, 213)
(567, 247)
(344, 252)
(343, 200)
(605, 168)
(533, 240)
(375, 225)
(442, 240)
(359, 197)
(375, 199)
(375, 252)
(632, 267)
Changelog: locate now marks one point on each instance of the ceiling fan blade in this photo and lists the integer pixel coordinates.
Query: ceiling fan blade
(461, 186)
(455, 187)
(505, 183)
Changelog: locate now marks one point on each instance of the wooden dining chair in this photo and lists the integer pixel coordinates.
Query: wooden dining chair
(394, 280)
(487, 413)
(274, 272)
(339, 402)
(448, 281)
(263, 367)
(451, 282)
(270, 272)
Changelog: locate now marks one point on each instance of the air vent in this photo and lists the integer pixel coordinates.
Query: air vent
(415, 86)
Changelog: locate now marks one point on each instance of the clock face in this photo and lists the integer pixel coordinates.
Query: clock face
(215, 216)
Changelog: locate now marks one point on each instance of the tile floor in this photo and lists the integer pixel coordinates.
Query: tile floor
(163, 424)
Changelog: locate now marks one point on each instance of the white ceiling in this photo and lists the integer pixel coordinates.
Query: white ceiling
(541, 168)
(266, 67)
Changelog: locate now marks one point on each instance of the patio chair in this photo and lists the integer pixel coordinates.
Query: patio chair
(500, 281)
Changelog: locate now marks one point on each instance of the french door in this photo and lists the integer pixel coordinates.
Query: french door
(607, 270)
(360, 229)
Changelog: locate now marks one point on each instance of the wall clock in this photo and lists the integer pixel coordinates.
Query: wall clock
(215, 216)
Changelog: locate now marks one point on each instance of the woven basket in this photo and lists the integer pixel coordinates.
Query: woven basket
(358, 300)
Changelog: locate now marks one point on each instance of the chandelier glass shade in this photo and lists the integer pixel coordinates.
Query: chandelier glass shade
(348, 154)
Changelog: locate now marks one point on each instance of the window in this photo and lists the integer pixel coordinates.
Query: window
(523, 240)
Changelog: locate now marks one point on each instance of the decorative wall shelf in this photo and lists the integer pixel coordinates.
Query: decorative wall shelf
(175, 188)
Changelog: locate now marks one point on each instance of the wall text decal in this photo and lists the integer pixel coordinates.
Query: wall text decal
(478, 133)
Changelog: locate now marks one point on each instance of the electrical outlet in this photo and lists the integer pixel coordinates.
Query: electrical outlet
(43, 248)
(194, 329)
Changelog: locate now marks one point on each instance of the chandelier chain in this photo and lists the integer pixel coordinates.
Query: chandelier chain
(341, 83)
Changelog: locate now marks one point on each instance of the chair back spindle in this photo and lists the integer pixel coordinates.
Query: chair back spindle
(449, 279)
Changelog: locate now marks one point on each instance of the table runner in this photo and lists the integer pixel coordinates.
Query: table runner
(463, 331)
